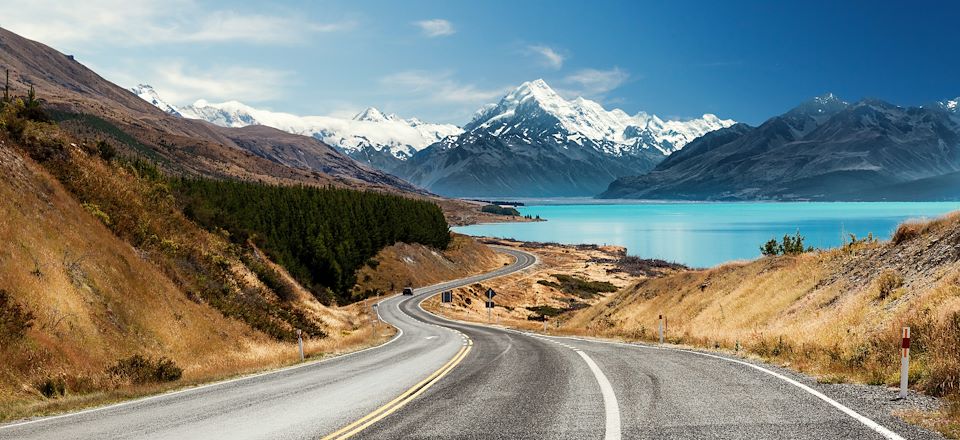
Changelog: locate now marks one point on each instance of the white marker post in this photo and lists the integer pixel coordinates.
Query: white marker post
(544, 324)
(905, 363)
(661, 329)
(300, 343)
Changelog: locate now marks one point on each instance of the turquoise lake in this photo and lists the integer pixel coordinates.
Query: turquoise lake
(705, 234)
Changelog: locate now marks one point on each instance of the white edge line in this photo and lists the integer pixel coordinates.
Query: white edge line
(610, 406)
(885, 432)
(440, 286)
(209, 385)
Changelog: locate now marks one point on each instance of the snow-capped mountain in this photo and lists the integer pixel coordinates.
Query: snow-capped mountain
(617, 132)
(533, 142)
(823, 149)
(368, 130)
(370, 136)
(147, 93)
(952, 105)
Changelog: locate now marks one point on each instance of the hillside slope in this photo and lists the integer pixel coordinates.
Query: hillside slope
(834, 313)
(178, 144)
(95, 299)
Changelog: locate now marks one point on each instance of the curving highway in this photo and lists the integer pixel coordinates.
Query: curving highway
(445, 379)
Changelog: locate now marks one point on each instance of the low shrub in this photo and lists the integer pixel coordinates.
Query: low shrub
(906, 231)
(15, 320)
(500, 210)
(52, 387)
(887, 282)
(578, 286)
(141, 369)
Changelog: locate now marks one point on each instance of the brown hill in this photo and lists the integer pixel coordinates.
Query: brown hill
(179, 145)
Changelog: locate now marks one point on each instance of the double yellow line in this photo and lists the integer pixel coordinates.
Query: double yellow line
(401, 400)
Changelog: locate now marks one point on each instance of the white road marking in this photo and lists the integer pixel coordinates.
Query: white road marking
(208, 385)
(610, 405)
(880, 429)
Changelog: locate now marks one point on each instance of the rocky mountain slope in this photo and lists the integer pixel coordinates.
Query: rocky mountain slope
(536, 143)
(824, 149)
(85, 102)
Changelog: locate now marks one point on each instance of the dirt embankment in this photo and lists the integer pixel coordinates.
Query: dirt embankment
(567, 278)
(404, 265)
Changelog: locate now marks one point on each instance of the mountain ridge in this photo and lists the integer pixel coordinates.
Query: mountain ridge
(823, 149)
(535, 143)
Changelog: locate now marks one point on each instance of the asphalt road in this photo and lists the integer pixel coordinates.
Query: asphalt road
(445, 379)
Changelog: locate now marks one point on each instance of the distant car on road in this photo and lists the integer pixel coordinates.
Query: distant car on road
(408, 290)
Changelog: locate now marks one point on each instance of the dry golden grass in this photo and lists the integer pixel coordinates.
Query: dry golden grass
(836, 314)
(517, 292)
(97, 299)
(404, 265)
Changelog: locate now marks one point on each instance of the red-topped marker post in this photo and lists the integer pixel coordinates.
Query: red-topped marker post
(905, 362)
(661, 329)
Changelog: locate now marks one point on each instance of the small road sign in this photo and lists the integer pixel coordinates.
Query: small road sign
(489, 304)
(491, 294)
(446, 296)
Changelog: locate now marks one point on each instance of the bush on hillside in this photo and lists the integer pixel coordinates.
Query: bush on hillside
(14, 319)
(906, 231)
(888, 282)
(141, 369)
(500, 210)
(578, 286)
(788, 246)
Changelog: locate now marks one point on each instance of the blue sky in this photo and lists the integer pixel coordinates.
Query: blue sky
(441, 60)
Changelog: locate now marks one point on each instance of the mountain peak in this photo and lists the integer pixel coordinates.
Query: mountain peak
(951, 105)
(824, 105)
(371, 114)
(827, 98)
(149, 94)
(537, 89)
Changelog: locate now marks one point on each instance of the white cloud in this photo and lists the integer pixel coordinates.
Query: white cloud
(182, 84)
(594, 82)
(438, 87)
(435, 28)
(550, 57)
(149, 22)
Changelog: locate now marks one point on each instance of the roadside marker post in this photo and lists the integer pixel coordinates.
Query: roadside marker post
(490, 294)
(905, 363)
(544, 324)
(661, 329)
(300, 343)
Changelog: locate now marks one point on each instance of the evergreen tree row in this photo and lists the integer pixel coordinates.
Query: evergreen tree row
(321, 236)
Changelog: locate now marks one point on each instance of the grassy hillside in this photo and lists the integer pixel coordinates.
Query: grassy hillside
(836, 314)
(107, 289)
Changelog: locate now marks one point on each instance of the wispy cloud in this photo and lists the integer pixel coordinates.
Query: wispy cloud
(151, 22)
(594, 82)
(438, 87)
(180, 83)
(548, 55)
(437, 27)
